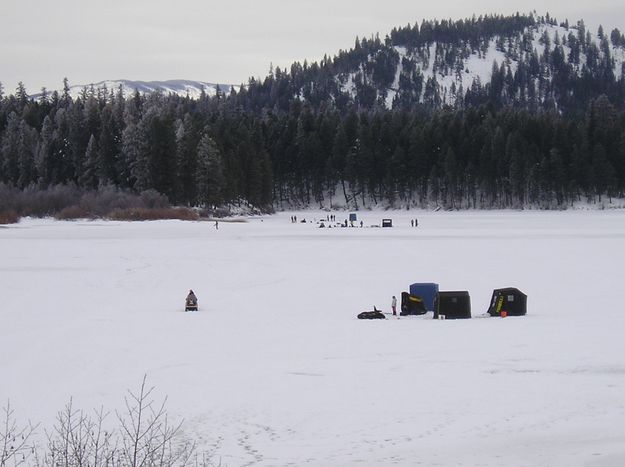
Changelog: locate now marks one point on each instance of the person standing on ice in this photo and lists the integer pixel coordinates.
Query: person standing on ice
(394, 305)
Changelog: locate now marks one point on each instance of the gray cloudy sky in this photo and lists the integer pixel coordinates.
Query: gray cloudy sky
(42, 41)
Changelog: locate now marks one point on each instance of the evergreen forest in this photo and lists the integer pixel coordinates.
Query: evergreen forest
(368, 127)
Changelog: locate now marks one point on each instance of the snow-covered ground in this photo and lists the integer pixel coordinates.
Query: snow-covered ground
(276, 370)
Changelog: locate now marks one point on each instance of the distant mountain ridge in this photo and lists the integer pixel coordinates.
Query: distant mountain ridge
(521, 61)
(180, 87)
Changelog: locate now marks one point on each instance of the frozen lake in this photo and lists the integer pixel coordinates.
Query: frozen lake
(276, 370)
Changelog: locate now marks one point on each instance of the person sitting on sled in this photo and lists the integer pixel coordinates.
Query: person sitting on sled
(191, 299)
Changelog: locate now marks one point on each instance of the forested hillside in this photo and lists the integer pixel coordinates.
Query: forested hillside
(489, 112)
(519, 61)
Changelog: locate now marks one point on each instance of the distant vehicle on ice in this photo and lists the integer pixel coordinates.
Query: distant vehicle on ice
(190, 302)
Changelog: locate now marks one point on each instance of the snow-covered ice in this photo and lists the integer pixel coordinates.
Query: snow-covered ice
(276, 370)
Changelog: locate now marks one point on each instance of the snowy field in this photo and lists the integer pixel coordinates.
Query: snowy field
(276, 370)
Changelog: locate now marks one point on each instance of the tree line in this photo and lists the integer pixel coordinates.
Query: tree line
(551, 133)
(210, 152)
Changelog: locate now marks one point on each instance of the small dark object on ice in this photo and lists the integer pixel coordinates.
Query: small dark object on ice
(375, 314)
(190, 302)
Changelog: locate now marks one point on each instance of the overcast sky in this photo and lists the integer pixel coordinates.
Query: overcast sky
(42, 41)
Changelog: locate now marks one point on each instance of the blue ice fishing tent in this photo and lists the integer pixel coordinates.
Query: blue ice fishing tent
(427, 291)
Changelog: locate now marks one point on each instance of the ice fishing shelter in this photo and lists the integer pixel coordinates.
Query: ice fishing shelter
(510, 300)
(387, 222)
(427, 291)
(453, 305)
(412, 305)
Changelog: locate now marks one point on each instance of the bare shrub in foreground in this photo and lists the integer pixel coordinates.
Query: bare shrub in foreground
(147, 437)
(79, 440)
(141, 435)
(15, 441)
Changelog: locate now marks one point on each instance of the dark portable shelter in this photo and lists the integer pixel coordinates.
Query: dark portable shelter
(411, 305)
(510, 300)
(453, 305)
(387, 222)
(427, 291)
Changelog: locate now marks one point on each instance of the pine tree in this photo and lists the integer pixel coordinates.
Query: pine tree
(108, 148)
(21, 95)
(42, 159)
(603, 173)
(78, 139)
(186, 161)
(65, 96)
(161, 149)
(516, 172)
(266, 181)
(60, 166)
(340, 148)
(9, 152)
(28, 139)
(90, 177)
(135, 153)
(450, 167)
(210, 177)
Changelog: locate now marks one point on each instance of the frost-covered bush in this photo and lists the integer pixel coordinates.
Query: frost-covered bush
(141, 434)
(153, 199)
(72, 212)
(145, 214)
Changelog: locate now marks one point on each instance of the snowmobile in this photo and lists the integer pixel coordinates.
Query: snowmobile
(375, 314)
